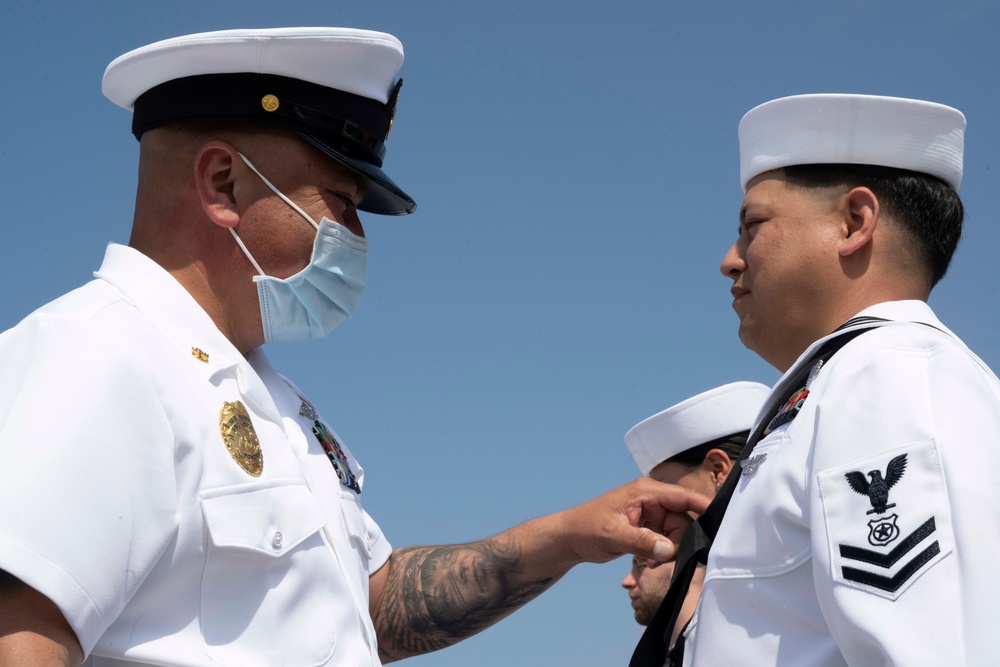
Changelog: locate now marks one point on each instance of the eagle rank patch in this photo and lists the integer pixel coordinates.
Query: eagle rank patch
(887, 519)
(240, 437)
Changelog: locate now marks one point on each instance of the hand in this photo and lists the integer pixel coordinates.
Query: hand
(645, 518)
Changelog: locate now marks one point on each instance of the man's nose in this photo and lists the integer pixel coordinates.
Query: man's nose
(732, 263)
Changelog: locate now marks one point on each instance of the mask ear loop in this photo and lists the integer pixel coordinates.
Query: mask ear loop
(247, 252)
(278, 192)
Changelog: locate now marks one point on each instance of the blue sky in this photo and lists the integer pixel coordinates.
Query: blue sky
(576, 172)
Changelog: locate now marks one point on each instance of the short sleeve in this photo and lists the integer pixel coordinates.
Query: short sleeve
(905, 432)
(87, 485)
(379, 546)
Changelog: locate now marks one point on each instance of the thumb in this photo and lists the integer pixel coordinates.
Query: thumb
(653, 546)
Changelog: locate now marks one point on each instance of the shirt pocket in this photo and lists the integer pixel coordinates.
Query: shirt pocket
(269, 579)
(354, 523)
(764, 532)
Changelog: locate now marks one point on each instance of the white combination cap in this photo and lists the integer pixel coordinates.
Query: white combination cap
(335, 87)
(714, 414)
(853, 129)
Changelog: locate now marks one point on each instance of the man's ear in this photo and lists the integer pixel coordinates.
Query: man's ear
(861, 217)
(214, 178)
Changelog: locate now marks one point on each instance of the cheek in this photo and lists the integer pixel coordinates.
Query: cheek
(656, 578)
(766, 250)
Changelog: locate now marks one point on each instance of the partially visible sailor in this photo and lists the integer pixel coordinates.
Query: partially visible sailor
(695, 444)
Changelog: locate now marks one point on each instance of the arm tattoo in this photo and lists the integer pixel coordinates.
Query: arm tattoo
(437, 596)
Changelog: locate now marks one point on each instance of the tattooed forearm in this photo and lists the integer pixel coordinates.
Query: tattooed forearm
(437, 596)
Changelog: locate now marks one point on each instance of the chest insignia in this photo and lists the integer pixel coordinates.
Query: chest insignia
(749, 465)
(336, 455)
(240, 438)
(790, 410)
(199, 354)
(308, 411)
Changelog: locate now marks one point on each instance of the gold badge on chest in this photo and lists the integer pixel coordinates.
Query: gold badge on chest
(240, 437)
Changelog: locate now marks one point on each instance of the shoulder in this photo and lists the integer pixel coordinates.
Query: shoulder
(82, 348)
(894, 354)
(85, 315)
(897, 385)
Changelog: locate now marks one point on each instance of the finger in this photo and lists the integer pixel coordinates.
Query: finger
(655, 516)
(675, 526)
(679, 498)
(648, 545)
(659, 505)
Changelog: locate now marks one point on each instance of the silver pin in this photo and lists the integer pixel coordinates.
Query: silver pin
(308, 411)
(749, 465)
(813, 372)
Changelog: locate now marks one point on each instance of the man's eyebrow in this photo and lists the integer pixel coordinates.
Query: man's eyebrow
(747, 208)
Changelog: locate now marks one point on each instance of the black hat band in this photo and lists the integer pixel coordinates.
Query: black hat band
(356, 125)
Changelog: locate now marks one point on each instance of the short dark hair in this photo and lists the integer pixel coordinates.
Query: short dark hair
(732, 445)
(927, 208)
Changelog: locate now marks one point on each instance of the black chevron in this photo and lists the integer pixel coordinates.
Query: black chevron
(892, 584)
(889, 559)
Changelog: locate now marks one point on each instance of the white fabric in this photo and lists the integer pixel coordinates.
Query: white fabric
(120, 501)
(361, 62)
(853, 129)
(779, 588)
(708, 416)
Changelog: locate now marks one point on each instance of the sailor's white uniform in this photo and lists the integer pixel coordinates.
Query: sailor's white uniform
(866, 534)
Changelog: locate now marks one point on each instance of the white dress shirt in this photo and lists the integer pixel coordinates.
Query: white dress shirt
(121, 502)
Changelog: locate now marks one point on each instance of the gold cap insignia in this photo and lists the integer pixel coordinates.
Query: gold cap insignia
(393, 101)
(241, 438)
(270, 103)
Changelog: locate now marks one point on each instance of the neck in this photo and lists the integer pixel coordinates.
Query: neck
(216, 279)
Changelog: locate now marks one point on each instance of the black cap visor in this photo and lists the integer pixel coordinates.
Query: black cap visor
(382, 196)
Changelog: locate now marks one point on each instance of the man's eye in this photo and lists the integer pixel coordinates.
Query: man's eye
(345, 199)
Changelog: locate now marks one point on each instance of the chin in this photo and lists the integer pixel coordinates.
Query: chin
(746, 336)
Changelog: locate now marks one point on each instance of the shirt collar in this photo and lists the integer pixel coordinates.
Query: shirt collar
(168, 306)
(904, 311)
(899, 311)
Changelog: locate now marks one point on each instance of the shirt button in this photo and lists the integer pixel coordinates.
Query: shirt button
(276, 541)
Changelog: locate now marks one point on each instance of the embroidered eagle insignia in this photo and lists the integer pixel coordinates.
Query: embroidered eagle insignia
(877, 489)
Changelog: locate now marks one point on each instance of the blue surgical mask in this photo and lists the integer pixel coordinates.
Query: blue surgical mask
(326, 292)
